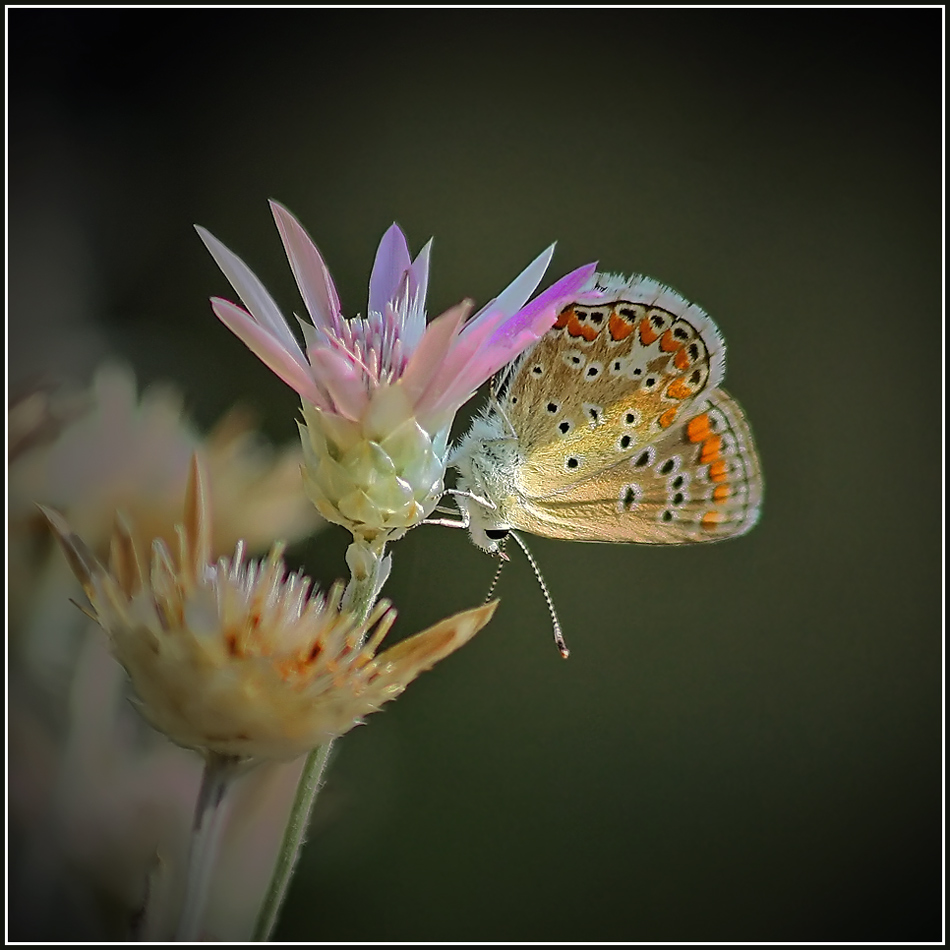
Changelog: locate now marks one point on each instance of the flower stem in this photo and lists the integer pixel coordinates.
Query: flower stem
(210, 813)
(359, 599)
(309, 785)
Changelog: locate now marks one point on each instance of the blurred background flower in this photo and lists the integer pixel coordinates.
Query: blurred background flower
(746, 741)
(97, 799)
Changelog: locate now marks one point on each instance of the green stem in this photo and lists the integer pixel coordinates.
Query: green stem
(359, 599)
(307, 788)
(210, 813)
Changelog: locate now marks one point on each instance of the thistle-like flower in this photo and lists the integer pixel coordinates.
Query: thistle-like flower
(379, 393)
(238, 658)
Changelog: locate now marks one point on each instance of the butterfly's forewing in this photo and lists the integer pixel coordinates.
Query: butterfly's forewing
(624, 436)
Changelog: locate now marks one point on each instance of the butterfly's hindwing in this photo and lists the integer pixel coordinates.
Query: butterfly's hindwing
(699, 482)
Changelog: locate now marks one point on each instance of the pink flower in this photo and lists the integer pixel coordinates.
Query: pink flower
(379, 393)
(438, 366)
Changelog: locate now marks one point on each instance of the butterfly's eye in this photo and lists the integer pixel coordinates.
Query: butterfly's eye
(496, 534)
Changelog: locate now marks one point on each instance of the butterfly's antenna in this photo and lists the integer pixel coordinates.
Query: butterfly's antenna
(558, 635)
(500, 383)
(501, 564)
(501, 379)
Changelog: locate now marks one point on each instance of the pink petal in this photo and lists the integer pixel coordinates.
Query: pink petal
(536, 315)
(415, 326)
(392, 261)
(427, 360)
(293, 371)
(512, 298)
(310, 272)
(419, 282)
(342, 380)
(255, 296)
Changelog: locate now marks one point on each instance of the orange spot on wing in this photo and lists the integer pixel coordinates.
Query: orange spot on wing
(717, 471)
(678, 390)
(576, 328)
(682, 360)
(647, 334)
(563, 317)
(711, 519)
(698, 428)
(710, 449)
(720, 493)
(620, 329)
(669, 343)
(666, 419)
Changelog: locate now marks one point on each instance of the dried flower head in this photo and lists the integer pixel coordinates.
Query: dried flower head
(379, 393)
(240, 658)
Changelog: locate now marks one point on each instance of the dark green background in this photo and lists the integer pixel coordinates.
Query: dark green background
(746, 741)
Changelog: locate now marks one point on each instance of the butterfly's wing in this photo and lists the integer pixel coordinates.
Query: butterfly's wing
(623, 431)
(700, 481)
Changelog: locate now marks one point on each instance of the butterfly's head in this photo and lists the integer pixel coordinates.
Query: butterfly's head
(486, 529)
(486, 459)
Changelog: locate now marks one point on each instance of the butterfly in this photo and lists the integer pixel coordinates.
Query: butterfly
(612, 427)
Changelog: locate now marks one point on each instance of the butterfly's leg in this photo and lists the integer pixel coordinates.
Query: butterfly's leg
(504, 416)
(463, 512)
(445, 522)
(478, 499)
(451, 523)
